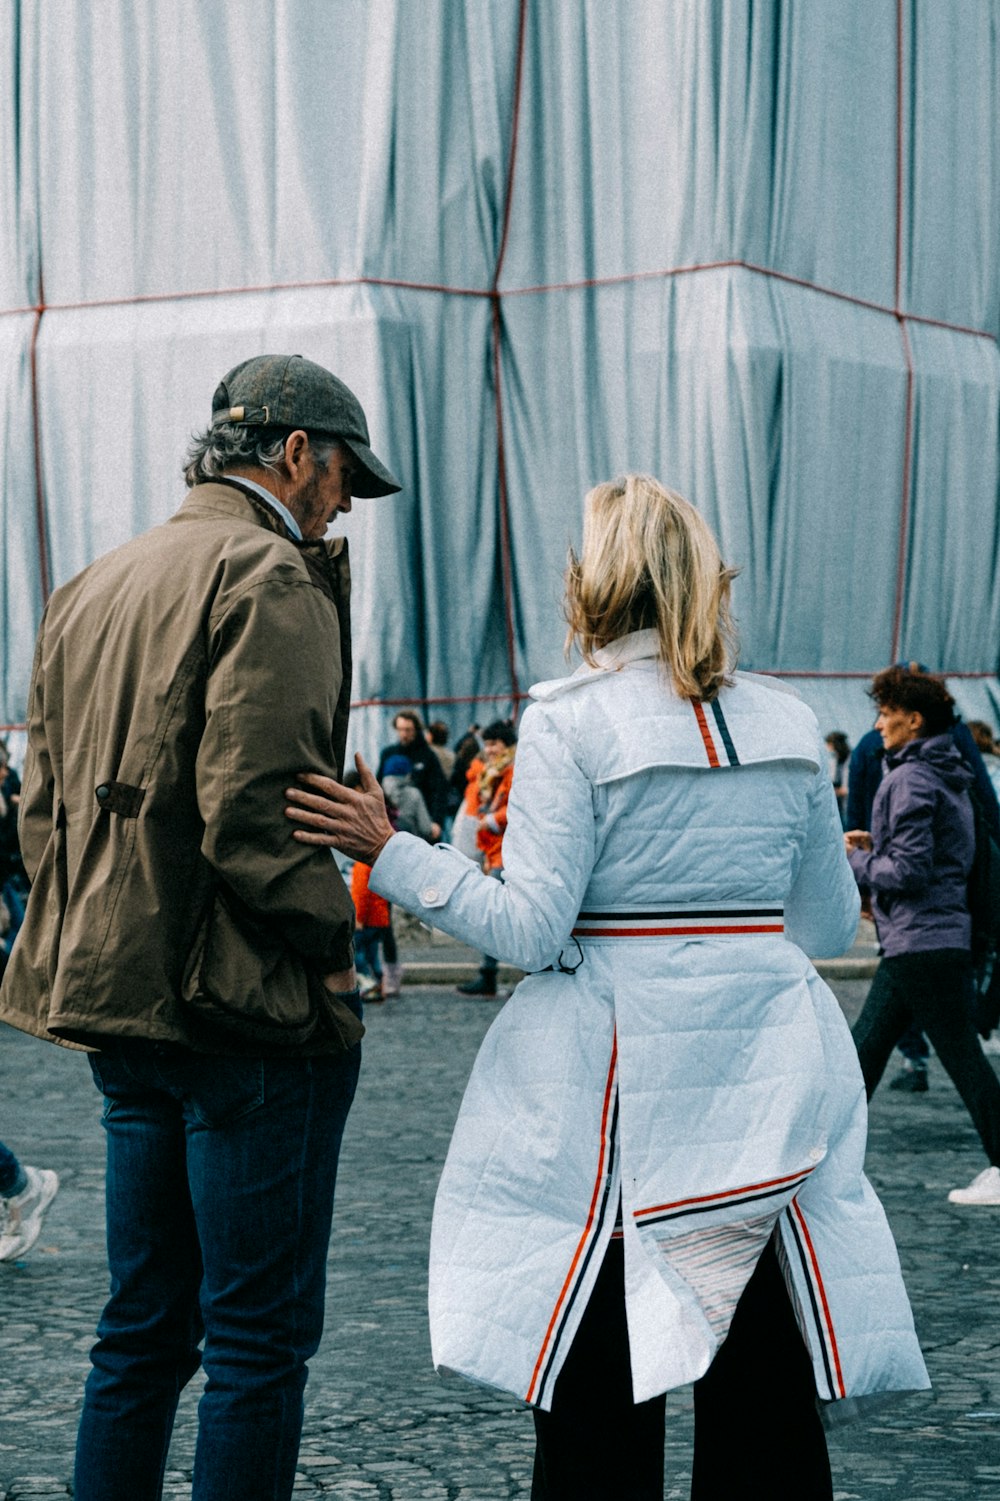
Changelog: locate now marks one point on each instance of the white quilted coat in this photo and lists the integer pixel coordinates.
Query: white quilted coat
(703, 1079)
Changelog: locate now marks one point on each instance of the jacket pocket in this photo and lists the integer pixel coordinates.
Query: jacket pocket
(243, 980)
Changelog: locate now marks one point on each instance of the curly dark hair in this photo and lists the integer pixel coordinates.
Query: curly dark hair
(917, 693)
(502, 730)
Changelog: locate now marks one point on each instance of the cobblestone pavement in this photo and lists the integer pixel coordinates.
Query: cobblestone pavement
(380, 1424)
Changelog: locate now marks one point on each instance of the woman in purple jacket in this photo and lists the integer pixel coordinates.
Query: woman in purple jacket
(916, 861)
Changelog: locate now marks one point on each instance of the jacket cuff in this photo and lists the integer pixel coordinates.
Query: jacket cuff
(417, 875)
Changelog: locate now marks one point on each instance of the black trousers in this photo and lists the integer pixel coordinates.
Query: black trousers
(757, 1432)
(934, 990)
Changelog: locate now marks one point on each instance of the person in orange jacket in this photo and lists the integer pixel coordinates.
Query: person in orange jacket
(493, 790)
(373, 923)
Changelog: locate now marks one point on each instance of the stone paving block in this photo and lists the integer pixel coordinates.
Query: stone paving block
(379, 1423)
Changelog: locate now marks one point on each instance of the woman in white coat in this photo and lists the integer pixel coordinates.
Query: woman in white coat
(656, 1176)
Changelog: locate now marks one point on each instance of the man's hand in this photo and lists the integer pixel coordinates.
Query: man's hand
(355, 822)
(340, 980)
(857, 839)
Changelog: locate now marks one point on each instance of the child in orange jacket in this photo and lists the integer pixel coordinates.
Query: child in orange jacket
(372, 925)
(493, 791)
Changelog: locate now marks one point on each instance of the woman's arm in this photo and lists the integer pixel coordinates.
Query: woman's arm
(905, 862)
(548, 855)
(822, 909)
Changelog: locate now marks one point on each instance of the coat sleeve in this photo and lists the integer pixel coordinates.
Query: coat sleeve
(549, 849)
(822, 908)
(35, 812)
(270, 699)
(905, 860)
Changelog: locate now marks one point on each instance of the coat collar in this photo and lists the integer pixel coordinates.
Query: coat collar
(637, 646)
(227, 497)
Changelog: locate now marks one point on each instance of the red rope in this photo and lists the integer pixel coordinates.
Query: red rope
(512, 157)
(496, 326)
(897, 281)
(506, 568)
(624, 279)
(471, 698)
(741, 265)
(904, 504)
(36, 430)
(244, 291)
(520, 696)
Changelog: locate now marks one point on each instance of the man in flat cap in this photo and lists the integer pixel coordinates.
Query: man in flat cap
(177, 929)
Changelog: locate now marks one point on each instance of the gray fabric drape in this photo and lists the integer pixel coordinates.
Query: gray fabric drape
(711, 262)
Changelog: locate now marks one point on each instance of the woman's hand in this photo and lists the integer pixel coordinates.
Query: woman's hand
(355, 822)
(857, 839)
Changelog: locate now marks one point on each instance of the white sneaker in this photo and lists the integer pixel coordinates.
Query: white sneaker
(21, 1215)
(984, 1189)
(392, 978)
(368, 986)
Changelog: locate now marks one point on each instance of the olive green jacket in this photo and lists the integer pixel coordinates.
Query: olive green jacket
(180, 684)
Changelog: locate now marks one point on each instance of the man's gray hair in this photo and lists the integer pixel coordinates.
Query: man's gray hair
(233, 446)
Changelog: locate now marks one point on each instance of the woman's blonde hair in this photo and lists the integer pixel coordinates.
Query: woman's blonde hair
(650, 562)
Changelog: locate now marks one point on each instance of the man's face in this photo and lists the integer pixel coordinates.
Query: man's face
(898, 727)
(493, 748)
(406, 731)
(323, 493)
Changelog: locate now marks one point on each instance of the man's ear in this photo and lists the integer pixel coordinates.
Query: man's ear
(296, 448)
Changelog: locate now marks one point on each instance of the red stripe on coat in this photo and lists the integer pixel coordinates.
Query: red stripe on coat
(598, 1180)
(727, 1193)
(667, 932)
(822, 1295)
(706, 733)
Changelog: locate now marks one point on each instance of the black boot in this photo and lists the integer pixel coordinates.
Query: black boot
(484, 984)
(911, 1080)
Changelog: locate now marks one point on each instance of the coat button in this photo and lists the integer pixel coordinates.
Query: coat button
(103, 792)
(430, 895)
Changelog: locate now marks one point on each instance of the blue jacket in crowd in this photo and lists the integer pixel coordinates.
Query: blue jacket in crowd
(923, 837)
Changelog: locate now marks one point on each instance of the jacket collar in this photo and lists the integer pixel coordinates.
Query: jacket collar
(637, 646)
(227, 497)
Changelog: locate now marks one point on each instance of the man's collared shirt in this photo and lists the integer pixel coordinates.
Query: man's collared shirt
(275, 504)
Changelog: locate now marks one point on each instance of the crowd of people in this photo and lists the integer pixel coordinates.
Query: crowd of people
(468, 789)
(657, 1172)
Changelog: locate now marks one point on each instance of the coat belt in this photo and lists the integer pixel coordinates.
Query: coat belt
(681, 920)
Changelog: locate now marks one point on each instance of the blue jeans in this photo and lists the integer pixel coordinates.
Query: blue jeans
(10, 1170)
(220, 1183)
(367, 942)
